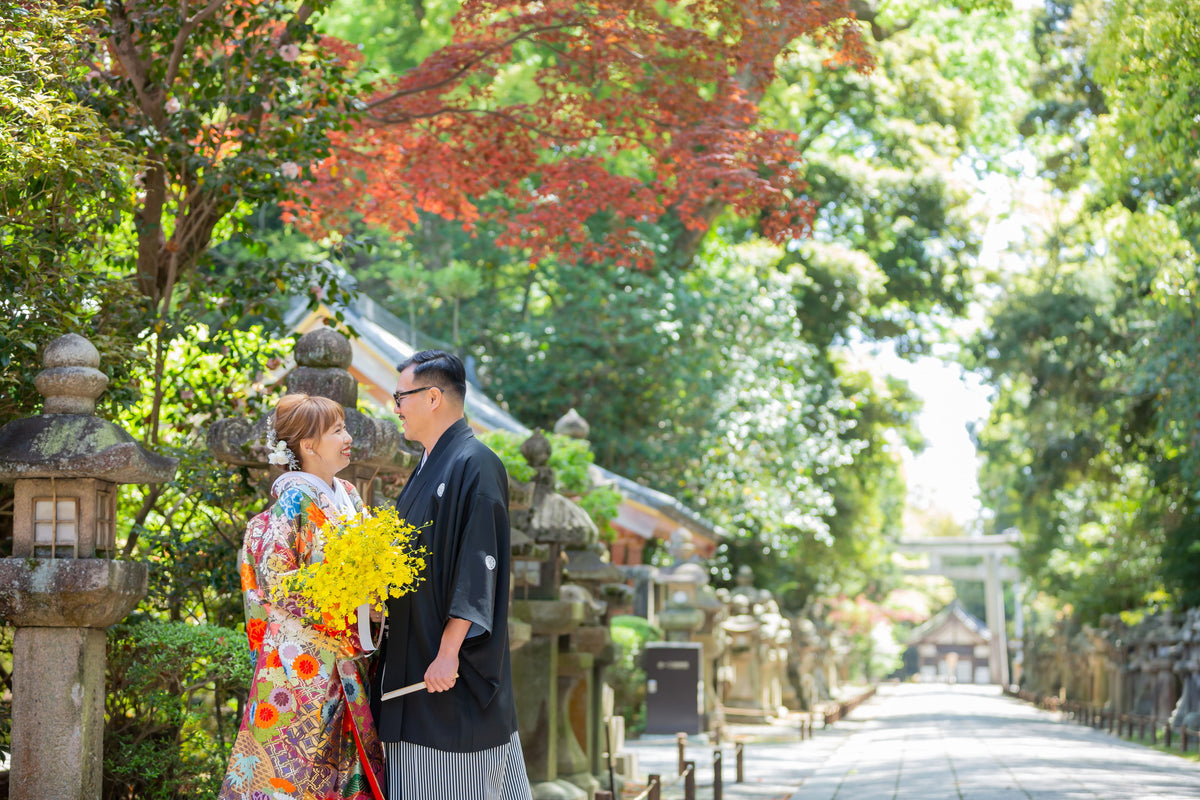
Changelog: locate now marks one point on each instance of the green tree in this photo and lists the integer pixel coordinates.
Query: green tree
(1091, 449)
(455, 283)
(55, 196)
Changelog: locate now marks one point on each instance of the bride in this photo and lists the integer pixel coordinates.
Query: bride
(308, 730)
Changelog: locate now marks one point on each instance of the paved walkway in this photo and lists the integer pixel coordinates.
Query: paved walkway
(934, 742)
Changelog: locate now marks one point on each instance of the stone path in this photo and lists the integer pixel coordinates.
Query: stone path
(933, 742)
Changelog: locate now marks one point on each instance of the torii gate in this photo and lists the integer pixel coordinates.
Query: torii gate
(991, 548)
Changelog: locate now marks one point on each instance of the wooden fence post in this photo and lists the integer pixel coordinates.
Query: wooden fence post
(741, 762)
(718, 789)
(689, 782)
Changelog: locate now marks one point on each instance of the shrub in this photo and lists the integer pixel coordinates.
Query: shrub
(169, 713)
(571, 460)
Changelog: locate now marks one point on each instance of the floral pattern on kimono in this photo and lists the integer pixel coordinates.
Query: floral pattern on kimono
(307, 733)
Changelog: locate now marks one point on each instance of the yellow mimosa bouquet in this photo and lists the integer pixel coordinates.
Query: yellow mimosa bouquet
(369, 557)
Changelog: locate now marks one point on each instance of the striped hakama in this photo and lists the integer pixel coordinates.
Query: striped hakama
(423, 773)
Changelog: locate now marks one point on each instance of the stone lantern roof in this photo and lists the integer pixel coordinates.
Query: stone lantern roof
(557, 519)
(573, 424)
(67, 440)
(323, 357)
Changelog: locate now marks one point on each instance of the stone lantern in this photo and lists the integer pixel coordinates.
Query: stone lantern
(63, 585)
(548, 667)
(323, 357)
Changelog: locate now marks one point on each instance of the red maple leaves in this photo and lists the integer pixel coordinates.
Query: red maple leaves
(569, 124)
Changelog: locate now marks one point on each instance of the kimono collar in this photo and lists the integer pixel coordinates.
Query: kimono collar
(455, 433)
(337, 494)
(447, 444)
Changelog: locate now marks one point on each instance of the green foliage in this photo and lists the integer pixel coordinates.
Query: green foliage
(709, 385)
(58, 170)
(1145, 56)
(169, 725)
(570, 459)
(1092, 447)
(626, 676)
(395, 37)
(889, 159)
(58, 165)
(508, 447)
(723, 377)
(224, 106)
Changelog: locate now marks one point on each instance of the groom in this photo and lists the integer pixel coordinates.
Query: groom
(457, 740)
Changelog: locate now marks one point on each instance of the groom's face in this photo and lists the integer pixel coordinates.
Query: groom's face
(413, 413)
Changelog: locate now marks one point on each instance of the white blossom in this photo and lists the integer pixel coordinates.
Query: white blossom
(289, 170)
(173, 105)
(289, 52)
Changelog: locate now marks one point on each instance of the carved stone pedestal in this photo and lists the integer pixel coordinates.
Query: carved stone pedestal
(60, 609)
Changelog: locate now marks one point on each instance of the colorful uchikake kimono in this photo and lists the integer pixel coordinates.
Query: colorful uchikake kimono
(308, 733)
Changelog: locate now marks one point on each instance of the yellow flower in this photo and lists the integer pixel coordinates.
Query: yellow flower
(368, 559)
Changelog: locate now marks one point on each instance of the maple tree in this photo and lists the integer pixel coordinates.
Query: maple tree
(625, 112)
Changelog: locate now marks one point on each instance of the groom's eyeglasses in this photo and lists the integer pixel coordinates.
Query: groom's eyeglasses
(398, 396)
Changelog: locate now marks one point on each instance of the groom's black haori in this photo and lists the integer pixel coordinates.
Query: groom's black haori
(459, 740)
(459, 500)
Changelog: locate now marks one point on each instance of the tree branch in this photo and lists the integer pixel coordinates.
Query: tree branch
(139, 521)
(126, 52)
(302, 14)
(470, 64)
(185, 30)
(514, 120)
(150, 236)
(868, 13)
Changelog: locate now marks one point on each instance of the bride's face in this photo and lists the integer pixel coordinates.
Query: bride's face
(330, 454)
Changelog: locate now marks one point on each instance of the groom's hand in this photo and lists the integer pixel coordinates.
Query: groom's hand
(441, 673)
(444, 669)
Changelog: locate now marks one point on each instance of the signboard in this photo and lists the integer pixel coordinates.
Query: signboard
(674, 692)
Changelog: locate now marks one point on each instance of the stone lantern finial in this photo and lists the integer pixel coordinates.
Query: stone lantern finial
(323, 358)
(70, 380)
(536, 449)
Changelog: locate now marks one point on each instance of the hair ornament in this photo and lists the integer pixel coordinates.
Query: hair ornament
(278, 452)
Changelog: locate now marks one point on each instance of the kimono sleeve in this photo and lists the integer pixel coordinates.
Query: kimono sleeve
(285, 544)
(480, 558)
(355, 498)
(483, 555)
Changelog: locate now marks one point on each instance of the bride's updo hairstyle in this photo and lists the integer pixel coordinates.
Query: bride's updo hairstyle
(300, 416)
